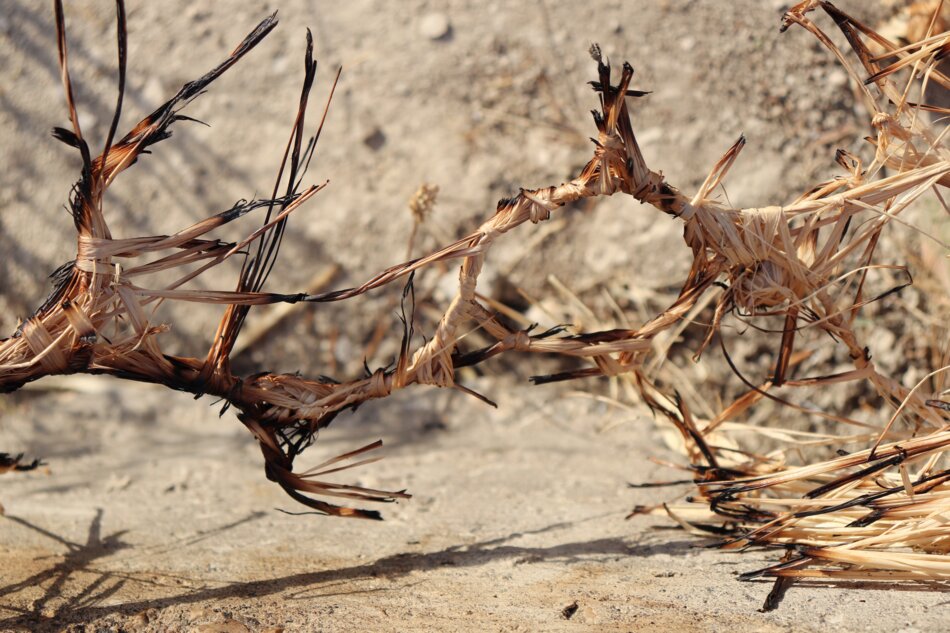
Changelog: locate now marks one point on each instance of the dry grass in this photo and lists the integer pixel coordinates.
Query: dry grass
(880, 511)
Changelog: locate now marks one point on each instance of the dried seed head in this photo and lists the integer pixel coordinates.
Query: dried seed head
(423, 201)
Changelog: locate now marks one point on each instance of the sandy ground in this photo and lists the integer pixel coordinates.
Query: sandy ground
(157, 518)
(154, 513)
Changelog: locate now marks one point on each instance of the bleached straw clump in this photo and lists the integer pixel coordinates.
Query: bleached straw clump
(877, 513)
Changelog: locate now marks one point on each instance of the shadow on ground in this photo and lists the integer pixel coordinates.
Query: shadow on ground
(83, 574)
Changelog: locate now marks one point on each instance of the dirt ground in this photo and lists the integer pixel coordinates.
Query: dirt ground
(153, 513)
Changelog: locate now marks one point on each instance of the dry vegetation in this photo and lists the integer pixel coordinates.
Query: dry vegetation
(856, 493)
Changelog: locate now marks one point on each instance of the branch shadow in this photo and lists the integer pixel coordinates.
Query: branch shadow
(78, 557)
(86, 606)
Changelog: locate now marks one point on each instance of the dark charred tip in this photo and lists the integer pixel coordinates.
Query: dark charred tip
(786, 22)
(638, 509)
(557, 329)
(842, 158)
(752, 575)
(15, 463)
(599, 87)
(237, 210)
(372, 515)
(589, 372)
(408, 288)
(66, 136)
(505, 202)
(660, 484)
(184, 117)
(262, 29)
(867, 519)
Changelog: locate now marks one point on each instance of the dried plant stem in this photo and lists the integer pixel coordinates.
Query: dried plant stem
(878, 512)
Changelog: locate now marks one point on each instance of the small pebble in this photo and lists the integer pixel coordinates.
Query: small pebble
(375, 139)
(435, 26)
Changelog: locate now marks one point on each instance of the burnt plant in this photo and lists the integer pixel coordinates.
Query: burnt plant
(876, 512)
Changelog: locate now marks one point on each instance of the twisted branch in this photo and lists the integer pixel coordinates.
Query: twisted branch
(805, 262)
